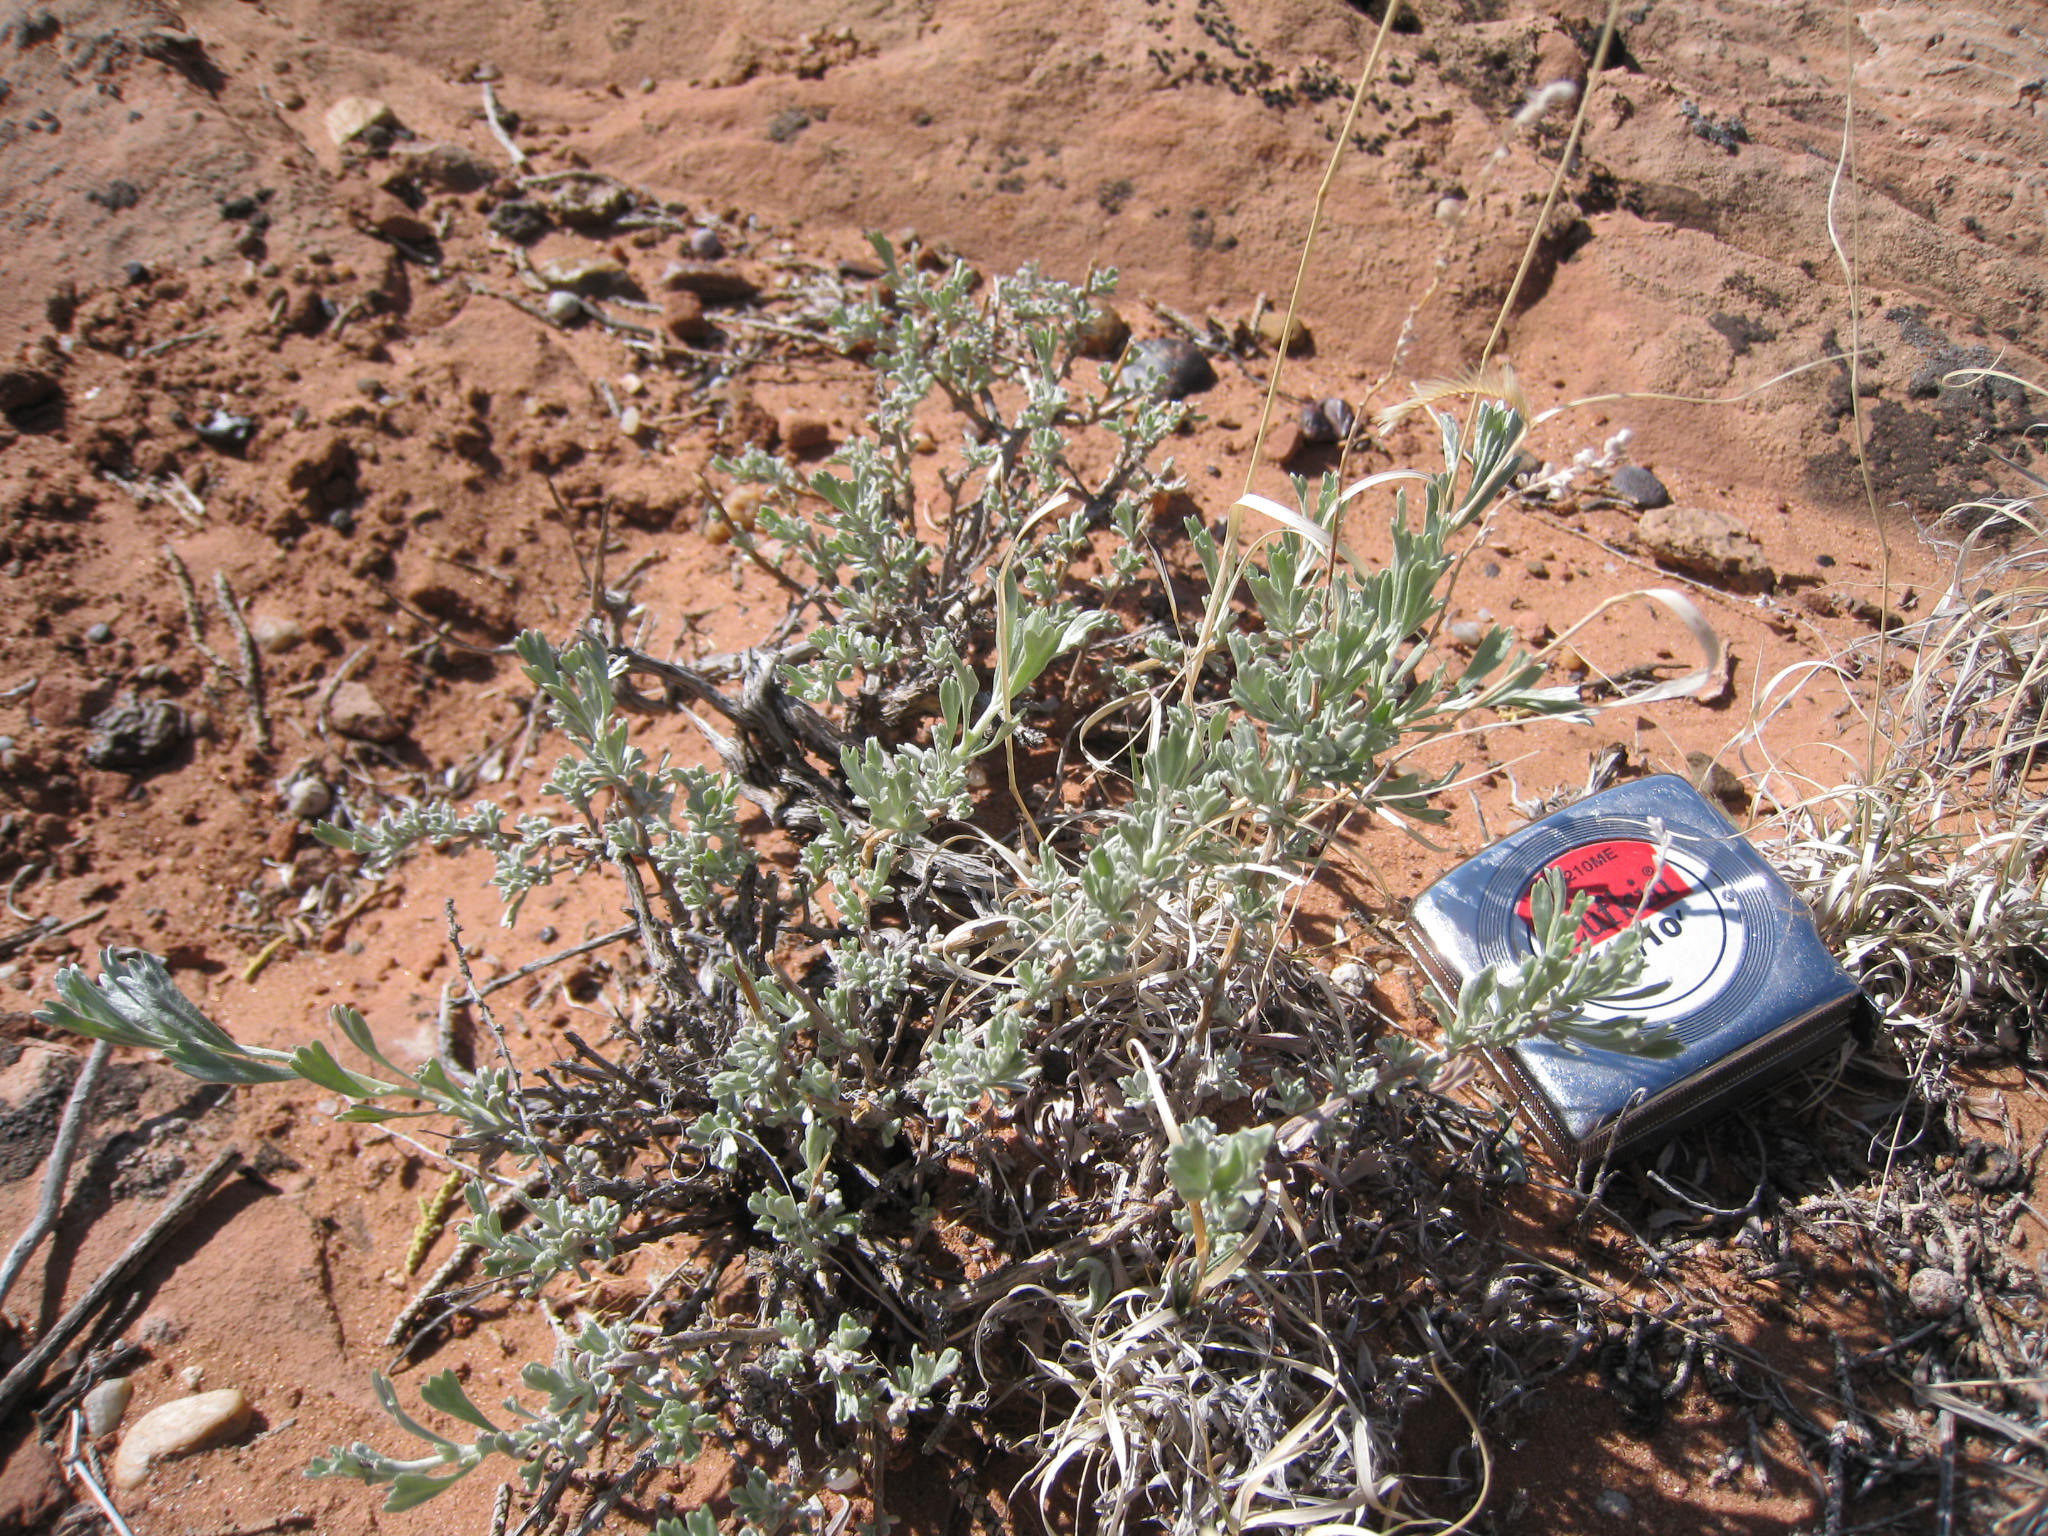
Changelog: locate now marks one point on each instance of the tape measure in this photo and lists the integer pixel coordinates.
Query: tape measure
(1746, 983)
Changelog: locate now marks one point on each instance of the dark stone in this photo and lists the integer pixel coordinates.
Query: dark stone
(115, 195)
(1639, 488)
(520, 221)
(135, 734)
(1169, 367)
(23, 388)
(136, 273)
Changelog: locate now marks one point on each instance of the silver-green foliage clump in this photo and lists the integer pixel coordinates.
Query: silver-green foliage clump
(1011, 1091)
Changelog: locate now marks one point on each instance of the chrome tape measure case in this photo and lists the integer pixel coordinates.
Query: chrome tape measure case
(1749, 987)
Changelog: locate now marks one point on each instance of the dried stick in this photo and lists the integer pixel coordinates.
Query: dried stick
(570, 953)
(499, 131)
(195, 616)
(114, 1279)
(252, 661)
(54, 1176)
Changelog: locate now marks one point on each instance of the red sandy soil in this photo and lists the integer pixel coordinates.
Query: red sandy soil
(1178, 140)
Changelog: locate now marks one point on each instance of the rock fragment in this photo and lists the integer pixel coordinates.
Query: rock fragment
(353, 116)
(23, 388)
(805, 433)
(595, 277)
(32, 1489)
(105, 1404)
(1716, 782)
(450, 168)
(135, 734)
(1105, 332)
(520, 221)
(356, 712)
(1293, 338)
(1704, 543)
(712, 282)
(182, 1425)
(1639, 488)
(1169, 367)
(682, 315)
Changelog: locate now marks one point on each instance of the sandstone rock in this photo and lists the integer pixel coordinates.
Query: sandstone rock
(387, 214)
(23, 388)
(1704, 543)
(32, 1489)
(710, 281)
(353, 116)
(172, 1429)
(682, 316)
(1288, 441)
(1296, 339)
(595, 277)
(451, 168)
(322, 476)
(1716, 782)
(804, 433)
(356, 712)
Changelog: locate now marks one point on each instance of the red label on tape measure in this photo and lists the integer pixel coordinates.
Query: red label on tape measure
(1691, 926)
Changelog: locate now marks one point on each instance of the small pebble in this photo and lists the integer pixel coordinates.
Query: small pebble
(277, 635)
(1538, 569)
(629, 421)
(1639, 488)
(1934, 1293)
(308, 799)
(1825, 562)
(173, 1428)
(548, 933)
(1349, 977)
(1340, 416)
(105, 1404)
(564, 308)
(631, 384)
(705, 244)
(136, 273)
(1466, 633)
(99, 634)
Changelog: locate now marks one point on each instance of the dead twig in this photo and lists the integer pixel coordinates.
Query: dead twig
(495, 117)
(624, 931)
(252, 660)
(54, 1175)
(113, 1280)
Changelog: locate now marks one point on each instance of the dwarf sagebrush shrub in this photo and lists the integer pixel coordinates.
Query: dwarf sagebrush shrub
(1011, 1074)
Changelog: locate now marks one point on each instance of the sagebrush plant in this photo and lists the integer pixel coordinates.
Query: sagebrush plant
(1013, 1099)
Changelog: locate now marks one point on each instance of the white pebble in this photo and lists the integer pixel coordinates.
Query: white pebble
(564, 308)
(1349, 977)
(631, 383)
(308, 799)
(629, 421)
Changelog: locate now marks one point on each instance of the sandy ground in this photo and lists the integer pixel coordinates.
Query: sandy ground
(188, 244)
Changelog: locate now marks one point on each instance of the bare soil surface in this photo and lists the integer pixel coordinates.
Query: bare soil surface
(323, 373)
